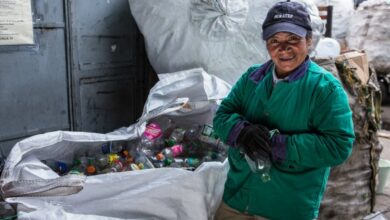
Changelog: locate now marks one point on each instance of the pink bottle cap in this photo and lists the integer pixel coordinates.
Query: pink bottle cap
(177, 149)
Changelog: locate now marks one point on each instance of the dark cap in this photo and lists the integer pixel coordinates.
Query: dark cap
(289, 17)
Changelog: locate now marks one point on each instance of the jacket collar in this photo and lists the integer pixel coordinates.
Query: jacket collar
(258, 74)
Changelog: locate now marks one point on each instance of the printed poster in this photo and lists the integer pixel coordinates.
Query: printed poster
(16, 25)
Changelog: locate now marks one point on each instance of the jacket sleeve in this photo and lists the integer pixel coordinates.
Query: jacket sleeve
(229, 119)
(332, 138)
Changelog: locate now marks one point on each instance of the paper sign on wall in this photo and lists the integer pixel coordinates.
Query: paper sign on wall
(16, 25)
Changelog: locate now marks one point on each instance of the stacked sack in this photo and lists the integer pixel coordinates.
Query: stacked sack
(350, 192)
(369, 30)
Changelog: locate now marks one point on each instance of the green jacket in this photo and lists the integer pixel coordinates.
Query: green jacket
(312, 112)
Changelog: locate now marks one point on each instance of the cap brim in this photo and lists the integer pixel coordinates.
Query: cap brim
(284, 27)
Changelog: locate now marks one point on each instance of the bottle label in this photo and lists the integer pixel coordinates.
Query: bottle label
(207, 130)
(177, 150)
(153, 131)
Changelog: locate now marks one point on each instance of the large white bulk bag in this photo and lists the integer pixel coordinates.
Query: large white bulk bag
(369, 30)
(223, 37)
(164, 193)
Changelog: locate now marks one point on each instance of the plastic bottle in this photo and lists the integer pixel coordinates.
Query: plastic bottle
(116, 148)
(207, 158)
(75, 172)
(262, 166)
(176, 136)
(112, 158)
(101, 161)
(117, 166)
(91, 168)
(174, 162)
(57, 166)
(192, 162)
(141, 158)
(105, 148)
(151, 139)
(208, 137)
(171, 152)
(80, 164)
(192, 134)
(191, 142)
(126, 158)
(134, 166)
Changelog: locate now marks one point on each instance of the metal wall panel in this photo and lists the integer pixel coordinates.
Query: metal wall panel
(33, 79)
(87, 71)
(105, 70)
(97, 52)
(48, 12)
(107, 102)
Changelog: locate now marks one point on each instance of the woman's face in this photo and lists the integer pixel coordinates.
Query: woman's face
(287, 51)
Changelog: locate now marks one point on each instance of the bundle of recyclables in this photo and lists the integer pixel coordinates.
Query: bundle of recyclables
(162, 144)
(173, 138)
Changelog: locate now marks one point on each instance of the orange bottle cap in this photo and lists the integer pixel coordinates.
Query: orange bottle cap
(91, 169)
(160, 156)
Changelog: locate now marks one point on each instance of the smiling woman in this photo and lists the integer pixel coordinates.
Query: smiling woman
(287, 51)
(305, 103)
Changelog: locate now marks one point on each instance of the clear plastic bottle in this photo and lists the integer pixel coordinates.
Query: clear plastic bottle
(57, 166)
(142, 159)
(80, 164)
(134, 166)
(192, 162)
(126, 158)
(117, 166)
(151, 140)
(174, 151)
(174, 162)
(111, 147)
(116, 148)
(209, 137)
(101, 161)
(207, 158)
(191, 142)
(262, 166)
(176, 136)
(192, 134)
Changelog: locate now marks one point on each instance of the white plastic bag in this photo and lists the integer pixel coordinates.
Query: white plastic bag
(165, 193)
(369, 30)
(223, 37)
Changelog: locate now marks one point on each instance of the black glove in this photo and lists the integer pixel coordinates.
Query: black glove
(254, 139)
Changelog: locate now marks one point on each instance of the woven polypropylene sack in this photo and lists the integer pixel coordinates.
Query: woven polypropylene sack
(223, 37)
(369, 30)
(350, 192)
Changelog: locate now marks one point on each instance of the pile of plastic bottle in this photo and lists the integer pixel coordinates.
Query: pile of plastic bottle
(163, 144)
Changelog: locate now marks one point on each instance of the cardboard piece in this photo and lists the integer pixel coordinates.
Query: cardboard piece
(358, 60)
